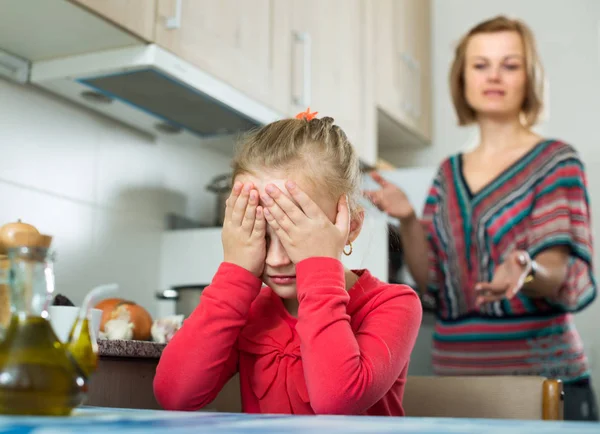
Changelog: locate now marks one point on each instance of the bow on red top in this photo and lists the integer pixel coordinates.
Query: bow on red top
(271, 350)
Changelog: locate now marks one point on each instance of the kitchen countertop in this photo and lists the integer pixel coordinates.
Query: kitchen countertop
(123, 348)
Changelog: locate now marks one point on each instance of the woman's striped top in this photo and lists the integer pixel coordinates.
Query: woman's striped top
(540, 201)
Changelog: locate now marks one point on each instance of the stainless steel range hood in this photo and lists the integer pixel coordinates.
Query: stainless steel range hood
(154, 91)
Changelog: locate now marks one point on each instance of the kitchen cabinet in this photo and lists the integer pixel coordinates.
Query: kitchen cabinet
(38, 30)
(364, 63)
(402, 39)
(136, 16)
(286, 54)
(328, 67)
(241, 42)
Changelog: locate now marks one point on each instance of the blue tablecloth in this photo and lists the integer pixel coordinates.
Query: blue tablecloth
(94, 420)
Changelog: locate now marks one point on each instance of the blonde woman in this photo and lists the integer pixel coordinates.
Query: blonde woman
(504, 244)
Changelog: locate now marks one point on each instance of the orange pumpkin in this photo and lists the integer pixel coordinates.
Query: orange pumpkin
(113, 308)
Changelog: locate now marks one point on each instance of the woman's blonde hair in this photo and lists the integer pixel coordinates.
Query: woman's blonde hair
(532, 103)
(317, 149)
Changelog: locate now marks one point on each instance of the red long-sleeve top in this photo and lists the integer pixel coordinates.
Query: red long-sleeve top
(346, 353)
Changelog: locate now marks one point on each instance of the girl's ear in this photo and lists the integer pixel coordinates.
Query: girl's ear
(356, 223)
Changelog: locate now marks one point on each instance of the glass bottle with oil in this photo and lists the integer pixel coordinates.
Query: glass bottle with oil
(39, 375)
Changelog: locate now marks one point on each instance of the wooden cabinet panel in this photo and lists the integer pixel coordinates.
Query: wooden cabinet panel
(328, 63)
(242, 42)
(402, 63)
(137, 16)
(421, 49)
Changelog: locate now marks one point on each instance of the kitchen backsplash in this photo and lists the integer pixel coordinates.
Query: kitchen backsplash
(102, 190)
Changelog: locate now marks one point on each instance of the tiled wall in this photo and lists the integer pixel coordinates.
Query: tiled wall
(101, 189)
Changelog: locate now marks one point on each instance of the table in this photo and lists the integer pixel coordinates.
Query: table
(96, 420)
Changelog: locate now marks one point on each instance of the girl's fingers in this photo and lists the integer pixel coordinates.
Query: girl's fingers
(230, 203)
(275, 211)
(271, 221)
(250, 214)
(308, 206)
(239, 209)
(288, 206)
(342, 220)
(260, 224)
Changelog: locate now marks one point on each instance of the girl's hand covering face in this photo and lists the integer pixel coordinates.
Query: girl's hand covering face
(302, 226)
(244, 229)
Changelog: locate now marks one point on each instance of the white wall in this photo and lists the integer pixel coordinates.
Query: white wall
(101, 189)
(568, 37)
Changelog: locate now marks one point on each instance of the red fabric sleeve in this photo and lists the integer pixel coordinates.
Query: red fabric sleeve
(202, 356)
(347, 373)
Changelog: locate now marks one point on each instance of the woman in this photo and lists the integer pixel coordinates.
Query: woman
(504, 244)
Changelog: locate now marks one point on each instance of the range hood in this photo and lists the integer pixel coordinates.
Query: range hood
(152, 90)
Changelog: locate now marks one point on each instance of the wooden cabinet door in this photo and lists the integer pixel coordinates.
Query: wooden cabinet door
(328, 63)
(137, 16)
(393, 76)
(419, 12)
(402, 62)
(241, 42)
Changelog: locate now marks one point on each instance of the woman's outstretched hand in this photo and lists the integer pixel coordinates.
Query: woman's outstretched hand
(509, 277)
(390, 199)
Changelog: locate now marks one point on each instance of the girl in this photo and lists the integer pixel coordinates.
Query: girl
(317, 338)
(505, 243)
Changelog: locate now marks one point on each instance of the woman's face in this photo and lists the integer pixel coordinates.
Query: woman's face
(495, 75)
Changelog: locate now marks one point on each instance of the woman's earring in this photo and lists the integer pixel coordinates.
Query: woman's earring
(350, 252)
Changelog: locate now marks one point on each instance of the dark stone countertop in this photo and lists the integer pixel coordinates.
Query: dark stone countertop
(123, 348)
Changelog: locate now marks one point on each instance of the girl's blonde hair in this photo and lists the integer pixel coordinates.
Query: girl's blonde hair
(317, 149)
(533, 101)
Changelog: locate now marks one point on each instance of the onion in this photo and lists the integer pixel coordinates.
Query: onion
(118, 308)
(9, 231)
(107, 306)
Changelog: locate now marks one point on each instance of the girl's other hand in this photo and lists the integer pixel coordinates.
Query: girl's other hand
(304, 229)
(244, 229)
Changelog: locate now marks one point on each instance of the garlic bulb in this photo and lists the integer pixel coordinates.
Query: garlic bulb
(163, 329)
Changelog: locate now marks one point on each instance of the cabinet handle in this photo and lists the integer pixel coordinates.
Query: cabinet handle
(304, 38)
(174, 22)
(417, 71)
(405, 83)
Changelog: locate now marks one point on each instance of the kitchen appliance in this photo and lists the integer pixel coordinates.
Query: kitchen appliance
(152, 90)
(221, 186)
(180, 300)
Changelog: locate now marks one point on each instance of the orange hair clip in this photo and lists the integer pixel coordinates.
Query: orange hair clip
(307, 115)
